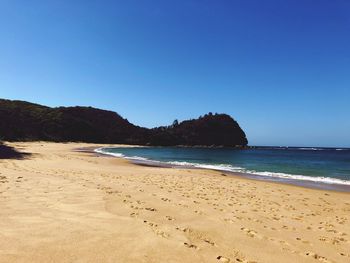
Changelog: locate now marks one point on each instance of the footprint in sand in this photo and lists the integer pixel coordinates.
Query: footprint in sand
(155, 229)
(333, 241)
(150, 223)
(199, 212)
(318, 257)
(228, 220)
(3, 179)
(190, 245)
(151, 209)
(223, 259)
(251, 233)
(134, 214)
(279, 242)
(195, 235)
(239, 257)
(169, 218)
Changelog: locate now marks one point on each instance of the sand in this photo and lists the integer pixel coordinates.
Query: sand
(60, 205)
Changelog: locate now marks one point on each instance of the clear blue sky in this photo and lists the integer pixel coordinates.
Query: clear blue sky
(280, 68)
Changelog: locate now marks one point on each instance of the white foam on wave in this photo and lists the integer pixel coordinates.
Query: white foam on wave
(221, 167)
(230, 168)
(310, 149)
(137, 158)
(102, 151)
(317, 179)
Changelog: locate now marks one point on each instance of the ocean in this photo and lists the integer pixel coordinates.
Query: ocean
(327, 168)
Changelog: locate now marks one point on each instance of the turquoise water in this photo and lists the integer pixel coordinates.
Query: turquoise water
(325, 165)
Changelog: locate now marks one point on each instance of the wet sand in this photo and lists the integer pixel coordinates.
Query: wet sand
(302, 183)
(63, 205)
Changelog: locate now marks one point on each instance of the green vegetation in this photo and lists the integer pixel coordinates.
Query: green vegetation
(24, 121)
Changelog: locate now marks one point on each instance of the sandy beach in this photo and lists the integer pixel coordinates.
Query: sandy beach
(63, 205)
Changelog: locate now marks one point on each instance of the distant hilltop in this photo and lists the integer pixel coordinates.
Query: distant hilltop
(24, 121)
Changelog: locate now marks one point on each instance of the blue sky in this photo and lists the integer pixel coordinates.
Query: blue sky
(280, 68)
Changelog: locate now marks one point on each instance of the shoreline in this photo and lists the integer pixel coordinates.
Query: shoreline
(289, 181)
(64, 205)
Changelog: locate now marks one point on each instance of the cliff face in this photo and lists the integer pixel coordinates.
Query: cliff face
(24, 121)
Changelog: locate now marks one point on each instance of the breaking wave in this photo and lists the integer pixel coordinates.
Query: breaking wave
(230, 168)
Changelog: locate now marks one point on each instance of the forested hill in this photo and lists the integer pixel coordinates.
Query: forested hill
(24, 121)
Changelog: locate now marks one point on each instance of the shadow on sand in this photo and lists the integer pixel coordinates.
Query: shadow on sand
(8, 152)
